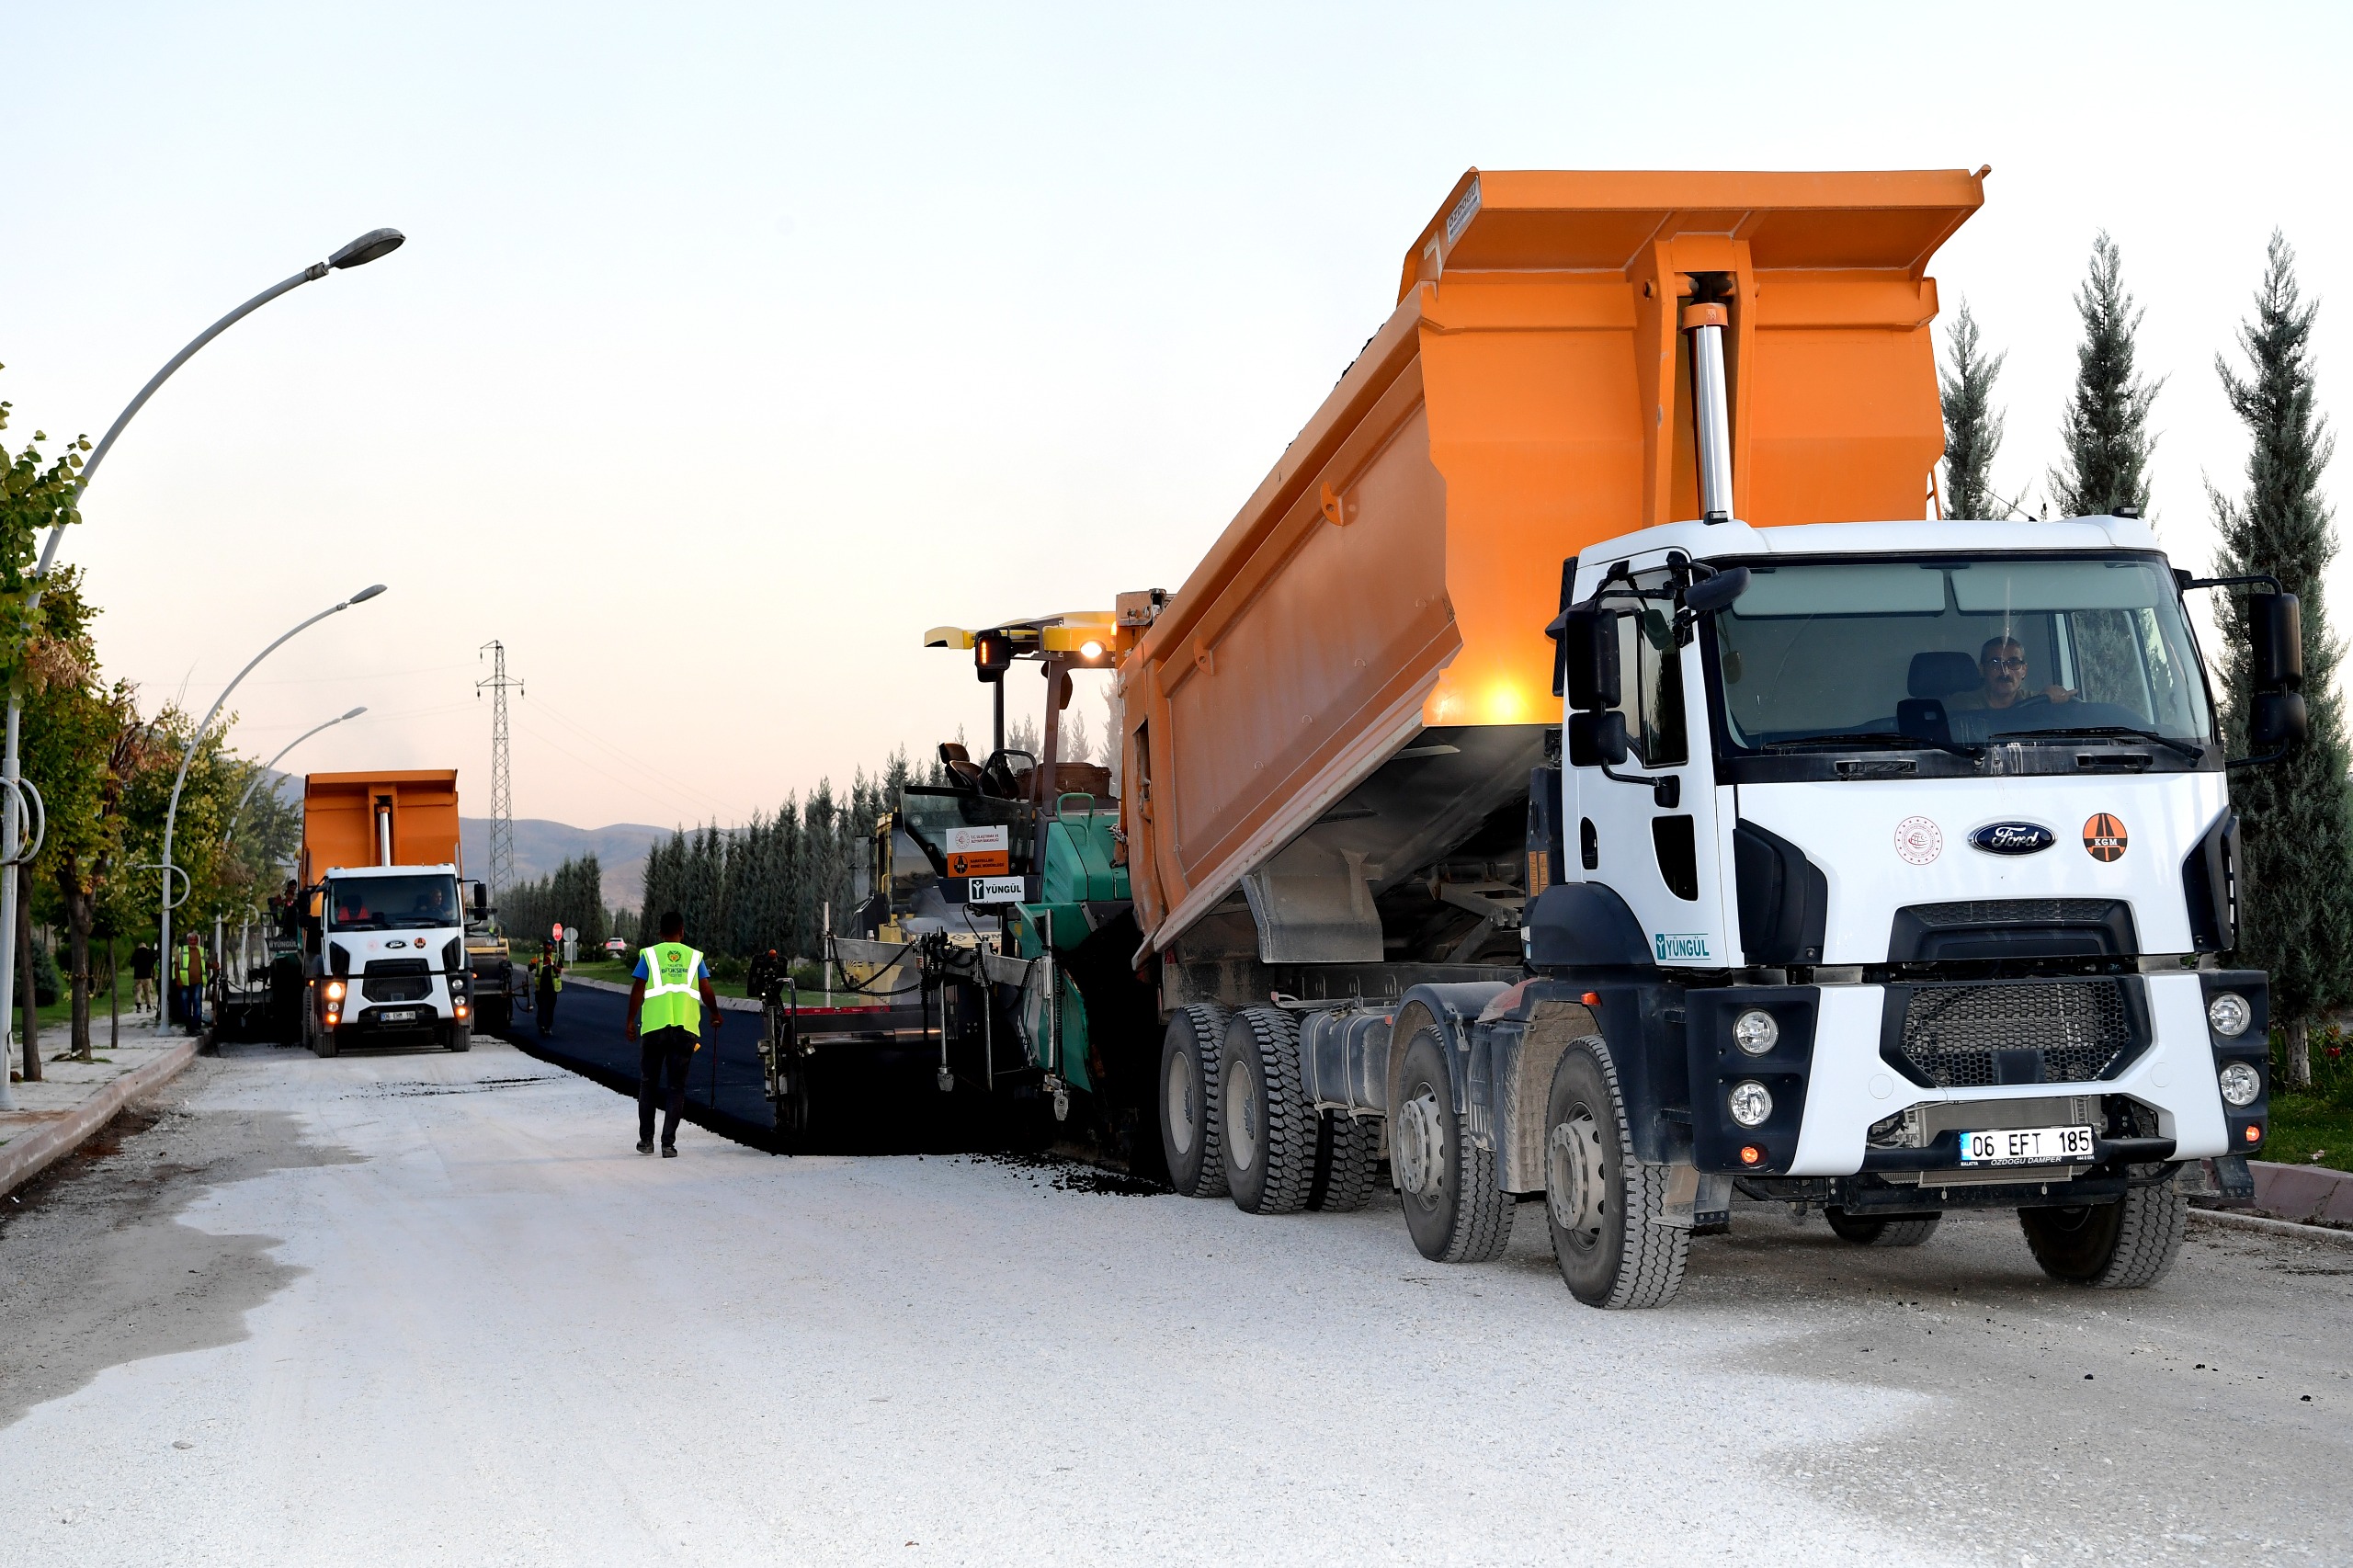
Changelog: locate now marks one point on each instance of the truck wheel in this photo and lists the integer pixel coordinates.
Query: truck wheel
(1602, 1203)
(461, 1038)
(1881, 1230)
(1347, 1161)
(2123, 1246)
(323, 1043)
(1453, 1208)
(1189, 1133)
(1267, 1130)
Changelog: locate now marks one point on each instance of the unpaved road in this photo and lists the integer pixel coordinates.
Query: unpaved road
(429, 1309)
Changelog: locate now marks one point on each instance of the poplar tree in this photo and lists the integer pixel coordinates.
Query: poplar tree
(1973, 425)
(2106, 434)
(2296, 877)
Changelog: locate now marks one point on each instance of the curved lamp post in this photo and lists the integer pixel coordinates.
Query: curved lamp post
(267, 768)
(172, 811)
(367, 247)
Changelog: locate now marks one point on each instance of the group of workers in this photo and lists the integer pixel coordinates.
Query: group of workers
(191, 972)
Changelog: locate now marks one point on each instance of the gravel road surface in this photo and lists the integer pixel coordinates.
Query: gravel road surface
(433, 1309)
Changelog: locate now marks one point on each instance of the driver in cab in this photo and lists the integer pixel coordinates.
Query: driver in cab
(2002, 666)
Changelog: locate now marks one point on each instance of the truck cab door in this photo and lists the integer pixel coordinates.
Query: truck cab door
(1656, 846)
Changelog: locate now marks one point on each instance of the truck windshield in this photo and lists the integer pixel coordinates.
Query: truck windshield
(1968, 650)
(391, 903)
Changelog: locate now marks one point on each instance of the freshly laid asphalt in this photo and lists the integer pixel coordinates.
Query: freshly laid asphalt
(725, 1093)
(418, 1307)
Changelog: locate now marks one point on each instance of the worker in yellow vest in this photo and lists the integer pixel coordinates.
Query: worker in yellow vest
(187, 981)
(666, 1001)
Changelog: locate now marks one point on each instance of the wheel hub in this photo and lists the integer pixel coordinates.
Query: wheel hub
(1181, 1114)
(1417, 1143)
(1242, 1115)
(1579, 1173)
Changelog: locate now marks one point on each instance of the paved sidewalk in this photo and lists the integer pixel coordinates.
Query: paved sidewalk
(74, 1099)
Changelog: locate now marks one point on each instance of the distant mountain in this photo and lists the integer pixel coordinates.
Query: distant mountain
(540, 847)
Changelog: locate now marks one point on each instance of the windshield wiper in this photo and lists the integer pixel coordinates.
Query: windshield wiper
(2189, 749)
(1888, 739)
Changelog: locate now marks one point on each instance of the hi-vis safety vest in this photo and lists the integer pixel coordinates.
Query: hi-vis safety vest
(673, 999)
(187, 967)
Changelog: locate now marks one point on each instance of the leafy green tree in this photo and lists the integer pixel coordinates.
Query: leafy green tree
(2105, 434)
(2296, 885)
(1972, 425)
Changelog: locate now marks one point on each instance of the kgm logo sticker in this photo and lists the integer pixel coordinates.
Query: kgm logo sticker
(2105, 838)
(2013, 838)
(1918, 841)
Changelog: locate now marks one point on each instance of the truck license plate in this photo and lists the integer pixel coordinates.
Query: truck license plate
(2026, 1146)
(406, 1015)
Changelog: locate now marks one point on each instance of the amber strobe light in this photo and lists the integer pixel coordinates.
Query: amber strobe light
(1750, 1154)
(2255, 1134)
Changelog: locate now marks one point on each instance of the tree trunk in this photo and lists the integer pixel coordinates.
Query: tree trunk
(81, 914)
(114, 998)
(24, 974)
(2300, 1054)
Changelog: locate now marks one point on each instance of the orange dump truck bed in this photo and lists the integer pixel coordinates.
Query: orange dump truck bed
(407, 818)
(1355, 680)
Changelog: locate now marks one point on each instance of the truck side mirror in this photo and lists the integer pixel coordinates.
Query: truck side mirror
(1597, 740)
(2275, 624)
(2279, 720)
(1709, 595)
(1589, 660)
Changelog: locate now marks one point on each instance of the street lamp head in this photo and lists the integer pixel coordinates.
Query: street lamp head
(354, 713)
(366, 248)
(364, 594)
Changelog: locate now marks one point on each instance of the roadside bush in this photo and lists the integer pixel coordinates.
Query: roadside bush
(48, 985)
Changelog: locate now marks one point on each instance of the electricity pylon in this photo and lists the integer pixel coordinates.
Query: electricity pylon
(502, 786)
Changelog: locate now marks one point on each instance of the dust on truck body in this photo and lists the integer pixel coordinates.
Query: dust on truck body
(384, 932)
(1812, 903)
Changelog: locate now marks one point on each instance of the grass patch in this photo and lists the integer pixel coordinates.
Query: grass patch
(2319, 1121)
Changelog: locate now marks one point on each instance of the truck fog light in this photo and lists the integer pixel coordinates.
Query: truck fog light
(1755, 1032)
(1750, 1103)
(2240, 1082)
(2229, 1015)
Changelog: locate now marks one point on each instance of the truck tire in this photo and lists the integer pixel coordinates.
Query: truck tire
(461, 1038)
(1881, 1230)
(323, 1043)
(1347, 1161)
(1454, 1210)
(1189, 1132)
(1267, 1128)
(1603, 1204)
(2123, 1245)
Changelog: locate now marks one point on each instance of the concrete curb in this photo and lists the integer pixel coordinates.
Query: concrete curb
(2276, 1227)
(25, 1157)
(2311, 1194)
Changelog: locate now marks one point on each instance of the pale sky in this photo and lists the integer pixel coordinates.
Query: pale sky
(733, 345)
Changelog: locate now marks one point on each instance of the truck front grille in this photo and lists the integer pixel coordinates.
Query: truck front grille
(2013, 912)
(2058, 1031)
(397, 979)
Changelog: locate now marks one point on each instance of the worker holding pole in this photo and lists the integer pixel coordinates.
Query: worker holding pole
(671, 988)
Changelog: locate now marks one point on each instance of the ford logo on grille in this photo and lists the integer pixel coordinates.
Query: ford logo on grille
(2013, 837)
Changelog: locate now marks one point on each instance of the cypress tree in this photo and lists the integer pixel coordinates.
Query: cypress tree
(1973, 425)
(2296, 880)
(2106, 432)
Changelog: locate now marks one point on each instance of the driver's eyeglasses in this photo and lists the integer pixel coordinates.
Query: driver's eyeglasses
(2006, 663)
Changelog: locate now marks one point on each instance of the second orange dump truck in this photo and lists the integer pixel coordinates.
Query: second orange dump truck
(1589, 767)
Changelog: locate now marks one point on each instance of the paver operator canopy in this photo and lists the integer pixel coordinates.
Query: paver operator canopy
(1391, 578)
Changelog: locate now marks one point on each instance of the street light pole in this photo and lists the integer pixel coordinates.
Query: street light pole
(266, 768)
(172, 811)
(370, 246)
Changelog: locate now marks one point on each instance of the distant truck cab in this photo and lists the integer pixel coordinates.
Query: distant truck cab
(386, 955)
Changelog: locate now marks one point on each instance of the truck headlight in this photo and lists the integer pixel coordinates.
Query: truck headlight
(1755, 1032)
(2229, 1015)
(334, 989)
(2240, 1082)
(1750, 1103)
